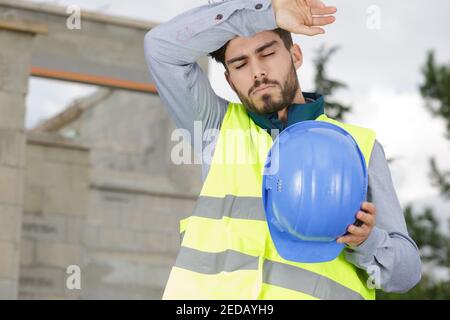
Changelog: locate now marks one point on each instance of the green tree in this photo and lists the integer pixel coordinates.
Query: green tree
(434, 251)
(436, 91)
(424, 227)
(327, 86)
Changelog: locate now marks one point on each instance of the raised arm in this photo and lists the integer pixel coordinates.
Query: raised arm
(172, 49)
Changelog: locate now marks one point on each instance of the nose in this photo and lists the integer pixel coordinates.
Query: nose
(258, 69)
(259, 74)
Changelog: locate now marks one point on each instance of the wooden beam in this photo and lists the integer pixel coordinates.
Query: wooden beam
(93, 79)
(23, 25)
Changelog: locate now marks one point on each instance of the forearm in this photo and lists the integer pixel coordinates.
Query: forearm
(389, 252)
(199, 31)
(391, 260)
(172, 49)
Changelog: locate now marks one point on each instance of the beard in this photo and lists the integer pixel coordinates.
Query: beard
(270, 105)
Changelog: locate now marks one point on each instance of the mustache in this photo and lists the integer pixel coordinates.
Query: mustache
(259, 83)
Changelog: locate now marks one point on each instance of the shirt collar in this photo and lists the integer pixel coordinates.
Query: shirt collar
(297, 112)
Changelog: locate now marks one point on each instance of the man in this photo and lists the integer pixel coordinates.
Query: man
(226, 251)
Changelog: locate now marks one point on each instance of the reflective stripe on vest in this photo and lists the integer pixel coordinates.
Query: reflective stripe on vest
(274, 273)
(227, 251)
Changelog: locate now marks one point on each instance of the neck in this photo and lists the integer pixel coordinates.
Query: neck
(298, 99)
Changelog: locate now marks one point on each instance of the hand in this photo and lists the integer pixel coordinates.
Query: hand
(299, 16)
(357, 235)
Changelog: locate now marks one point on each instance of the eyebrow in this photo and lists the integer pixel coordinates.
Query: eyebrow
(257, 50)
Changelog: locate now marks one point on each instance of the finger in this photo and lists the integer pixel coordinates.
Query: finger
(309, 31)
(322, 21)
(368, 219)
(369, 207)
(349, 239)
(323, 11)
(358, 231)
(317, 4)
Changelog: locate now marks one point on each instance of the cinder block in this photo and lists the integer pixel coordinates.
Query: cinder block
(154, 241)
(9, 263)
(173, 242)
(68, 156)
(119, 200)
(58, 254)
(90, 236)
(44, 227)
(33, 199)
(41, 281)
(105, 216)
(10, 185)
(12, 147)
(125, 275)
(17, 43)
(35, 152)
(103, 213)
(65, 202)
(135, 220)
(116, 239)
(15, 62)
(8, 289)
(12, 110)
(27, 252)
(10, 223)
(167, 222)
(80, 177)
(34, 173)
(57, 175)
(94, 216)
(74, 229)
(163, 214)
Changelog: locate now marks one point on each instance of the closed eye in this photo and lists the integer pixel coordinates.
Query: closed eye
(266, 55)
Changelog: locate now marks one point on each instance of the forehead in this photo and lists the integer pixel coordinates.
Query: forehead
(248, 45)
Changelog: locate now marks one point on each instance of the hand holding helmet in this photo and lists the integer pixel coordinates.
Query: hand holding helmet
(314, 185)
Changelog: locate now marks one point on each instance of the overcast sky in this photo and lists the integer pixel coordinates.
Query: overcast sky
(379, 60)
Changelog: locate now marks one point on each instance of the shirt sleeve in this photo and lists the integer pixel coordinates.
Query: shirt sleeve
(389, 255)
(173, 48)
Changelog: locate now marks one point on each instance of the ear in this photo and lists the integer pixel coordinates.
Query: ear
(297, 55)
(227, 76)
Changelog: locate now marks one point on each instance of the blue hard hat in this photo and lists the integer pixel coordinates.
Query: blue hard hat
(314, 182)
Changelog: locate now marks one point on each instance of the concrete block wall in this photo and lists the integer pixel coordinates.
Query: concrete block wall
(124, 234)
(119, 222)
(55, 206)
(132, 240)
(14, 69)
(137, 197)
(120, 232)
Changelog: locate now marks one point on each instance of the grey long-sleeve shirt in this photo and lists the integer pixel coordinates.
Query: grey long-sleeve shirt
(171, 51)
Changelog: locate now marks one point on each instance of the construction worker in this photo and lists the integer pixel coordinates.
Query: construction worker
(226, 250)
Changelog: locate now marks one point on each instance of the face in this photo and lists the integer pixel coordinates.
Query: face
(262, 71)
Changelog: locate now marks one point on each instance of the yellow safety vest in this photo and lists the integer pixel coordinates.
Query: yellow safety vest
(226, 250)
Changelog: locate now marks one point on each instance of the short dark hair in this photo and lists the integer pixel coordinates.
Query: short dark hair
(219, 54)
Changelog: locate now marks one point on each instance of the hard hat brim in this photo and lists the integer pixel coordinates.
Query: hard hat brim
(302, 251)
